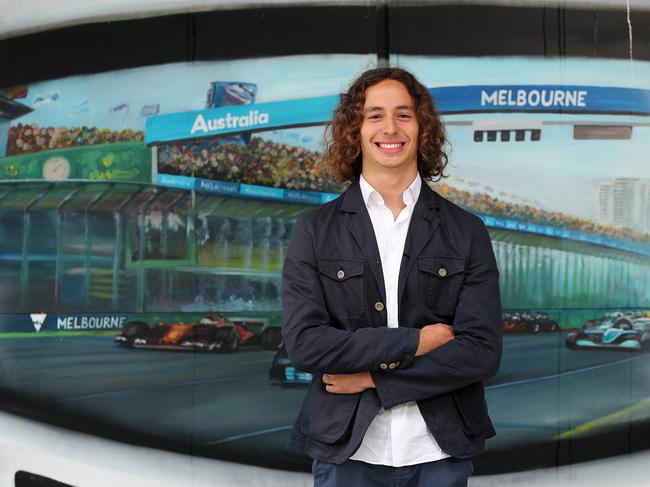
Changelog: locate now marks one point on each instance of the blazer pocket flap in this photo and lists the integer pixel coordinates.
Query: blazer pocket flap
(340, 269)
(441, 266)
(330, 416)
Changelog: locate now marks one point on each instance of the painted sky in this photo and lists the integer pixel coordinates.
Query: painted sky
(184, 86)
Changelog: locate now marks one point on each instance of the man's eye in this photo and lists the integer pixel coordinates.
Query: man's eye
(374, 117)
(404, 116)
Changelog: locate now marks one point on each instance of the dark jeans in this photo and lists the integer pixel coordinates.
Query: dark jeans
(449, 472)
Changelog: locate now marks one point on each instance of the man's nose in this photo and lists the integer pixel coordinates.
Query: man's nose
(390, 127)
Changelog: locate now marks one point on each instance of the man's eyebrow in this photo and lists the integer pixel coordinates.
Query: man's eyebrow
(379, 109)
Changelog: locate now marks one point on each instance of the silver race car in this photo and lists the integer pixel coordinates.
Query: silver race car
(620, 333)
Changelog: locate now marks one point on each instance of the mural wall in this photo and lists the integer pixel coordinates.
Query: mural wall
(154, 218)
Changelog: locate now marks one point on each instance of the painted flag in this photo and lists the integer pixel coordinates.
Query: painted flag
(45, 98)
(150, 110)
(83, 107)
(122, 108)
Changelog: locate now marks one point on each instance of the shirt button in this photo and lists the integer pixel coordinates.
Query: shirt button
(383, 366)
(392, 365)
(340, 274)
(379, 306)
(442, 272)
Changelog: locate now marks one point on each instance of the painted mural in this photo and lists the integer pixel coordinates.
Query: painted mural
(155, 219)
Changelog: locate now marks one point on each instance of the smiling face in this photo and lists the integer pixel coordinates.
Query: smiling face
(389, 132)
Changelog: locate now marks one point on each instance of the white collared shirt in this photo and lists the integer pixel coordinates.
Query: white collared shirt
(399, 436)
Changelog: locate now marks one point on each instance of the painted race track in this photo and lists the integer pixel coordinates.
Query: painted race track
(546, 402)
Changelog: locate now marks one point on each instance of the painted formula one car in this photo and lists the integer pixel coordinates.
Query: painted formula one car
(258, 331)
(527, 322)
(612, 318)
(283, 373)
(622, 333)
(213, 333)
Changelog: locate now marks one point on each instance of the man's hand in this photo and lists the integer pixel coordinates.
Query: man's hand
(432, 336)
(348, 383)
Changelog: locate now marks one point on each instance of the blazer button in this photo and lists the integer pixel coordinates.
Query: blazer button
(383, 366)
(340, 274)
(392, 365)
(379, 306)
(442, 272)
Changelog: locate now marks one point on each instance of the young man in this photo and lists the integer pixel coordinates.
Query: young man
(391, 300)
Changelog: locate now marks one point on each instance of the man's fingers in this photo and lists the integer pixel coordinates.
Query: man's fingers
(433, 336)
(437, 328)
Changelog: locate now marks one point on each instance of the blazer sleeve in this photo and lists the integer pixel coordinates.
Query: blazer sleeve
(313, 344)
(475, 352)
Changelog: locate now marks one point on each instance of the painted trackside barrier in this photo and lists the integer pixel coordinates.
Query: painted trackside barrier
(45, 322)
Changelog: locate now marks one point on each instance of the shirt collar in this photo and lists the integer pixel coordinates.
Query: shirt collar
(409, 197)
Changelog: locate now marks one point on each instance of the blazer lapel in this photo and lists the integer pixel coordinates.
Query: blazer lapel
(424, 223)
(360, 226)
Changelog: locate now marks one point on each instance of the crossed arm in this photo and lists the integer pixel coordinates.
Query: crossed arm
(431, 337)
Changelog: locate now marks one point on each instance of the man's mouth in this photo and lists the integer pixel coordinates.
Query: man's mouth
(390, 147)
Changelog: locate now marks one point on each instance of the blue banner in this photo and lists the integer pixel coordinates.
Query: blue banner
(212, 186)
(182, 182)
(305, 197)
(239, 118)
(38, 322)
(542, 98)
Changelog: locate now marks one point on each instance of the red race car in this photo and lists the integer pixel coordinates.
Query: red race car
(214, 333)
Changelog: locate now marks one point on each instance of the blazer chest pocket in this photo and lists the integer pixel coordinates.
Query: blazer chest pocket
(343, 286)
(441, 277)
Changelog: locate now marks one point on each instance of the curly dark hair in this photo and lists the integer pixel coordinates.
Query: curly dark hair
(343, 157)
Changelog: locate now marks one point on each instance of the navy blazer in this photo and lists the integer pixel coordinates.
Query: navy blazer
(335, 321)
